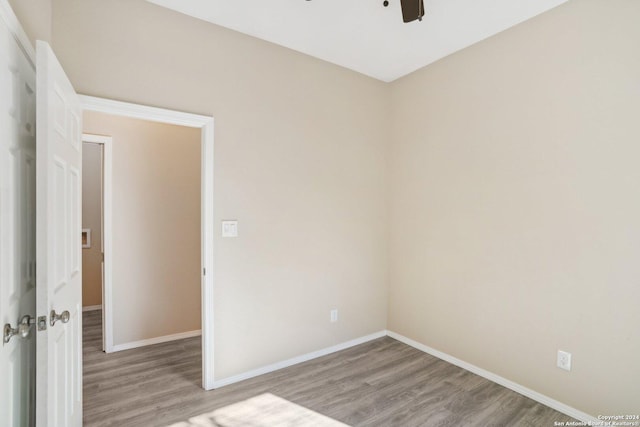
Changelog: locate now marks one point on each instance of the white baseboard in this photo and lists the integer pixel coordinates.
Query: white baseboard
(151, 341)
(538, 397)
(92, 308)
(295, 360)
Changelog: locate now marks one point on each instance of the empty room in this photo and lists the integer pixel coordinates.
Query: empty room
(400, 213)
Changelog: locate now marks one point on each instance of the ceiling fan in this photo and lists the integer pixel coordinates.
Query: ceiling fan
(411, 9)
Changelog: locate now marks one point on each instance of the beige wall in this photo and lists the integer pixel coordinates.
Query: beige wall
(515, 211)
(92, 219)
(156, 226)
(35, 17)
(300, 162)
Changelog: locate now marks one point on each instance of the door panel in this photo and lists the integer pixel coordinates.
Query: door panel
(58, 245)
(17, 227)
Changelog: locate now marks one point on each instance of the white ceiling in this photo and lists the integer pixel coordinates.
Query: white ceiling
(362, 35)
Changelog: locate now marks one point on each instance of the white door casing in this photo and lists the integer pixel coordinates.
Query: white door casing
(206, 125)
(17, 220)
(58, 244)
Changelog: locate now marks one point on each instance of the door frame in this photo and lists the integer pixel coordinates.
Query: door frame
(106, 235)
(205, 124)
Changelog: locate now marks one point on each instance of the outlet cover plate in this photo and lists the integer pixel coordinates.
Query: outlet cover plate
(564, 360)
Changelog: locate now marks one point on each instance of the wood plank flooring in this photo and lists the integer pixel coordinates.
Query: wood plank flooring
(376, 384)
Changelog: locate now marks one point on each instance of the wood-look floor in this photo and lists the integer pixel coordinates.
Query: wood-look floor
(379, 383)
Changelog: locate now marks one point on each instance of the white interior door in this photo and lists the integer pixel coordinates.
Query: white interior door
(58, 245)
(17, 229)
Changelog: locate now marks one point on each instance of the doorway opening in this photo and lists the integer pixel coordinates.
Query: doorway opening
(159, 235)
(96, 193)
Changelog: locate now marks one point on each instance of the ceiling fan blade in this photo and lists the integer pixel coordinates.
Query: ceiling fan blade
(412, 10)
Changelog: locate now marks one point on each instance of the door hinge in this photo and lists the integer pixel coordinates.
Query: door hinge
(204, 271)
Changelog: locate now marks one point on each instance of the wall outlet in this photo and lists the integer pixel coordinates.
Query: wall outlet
(333, 315)
(564, 360)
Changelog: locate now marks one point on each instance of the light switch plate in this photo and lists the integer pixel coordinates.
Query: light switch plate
(230, 228)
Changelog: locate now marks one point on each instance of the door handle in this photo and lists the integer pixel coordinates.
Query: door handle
(64, 317)
(23, 329)
(8, 333)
